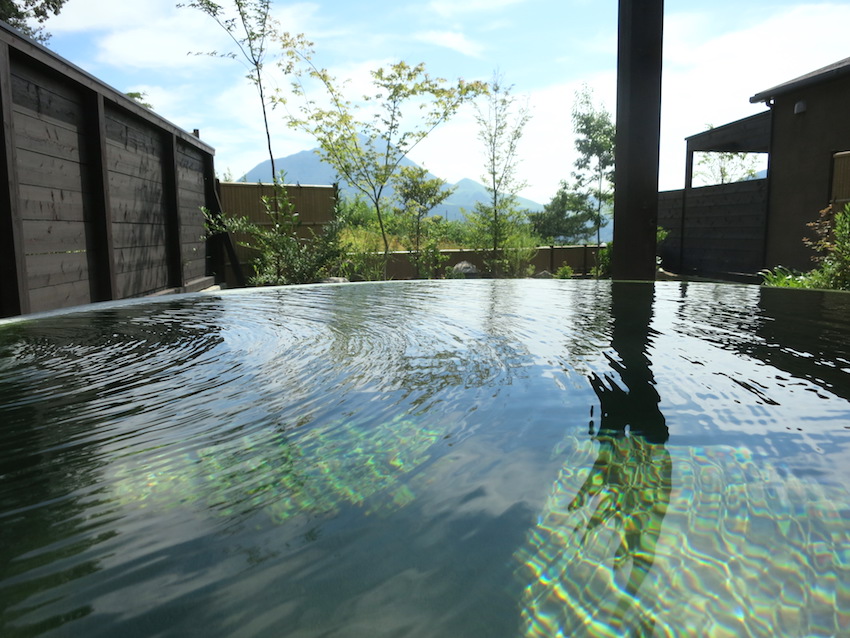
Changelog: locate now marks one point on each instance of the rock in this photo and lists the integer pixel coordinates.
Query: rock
(335, 280)
(465, 269)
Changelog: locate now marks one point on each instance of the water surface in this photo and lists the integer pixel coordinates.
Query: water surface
(453, 458)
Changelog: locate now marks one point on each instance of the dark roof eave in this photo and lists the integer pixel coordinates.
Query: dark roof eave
(837, 69)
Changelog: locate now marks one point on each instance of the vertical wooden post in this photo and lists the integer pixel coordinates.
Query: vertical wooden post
(171, 201)
(100, 248)
(14, 293)
(686, 191)
(214, 250)
(638, 134)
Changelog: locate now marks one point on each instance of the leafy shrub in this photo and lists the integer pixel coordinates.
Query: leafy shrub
(564, 272)
(602, 269)
(282, 257)
(832, 247)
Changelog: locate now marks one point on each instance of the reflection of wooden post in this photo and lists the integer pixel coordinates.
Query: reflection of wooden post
(629, 397)
(638, 133)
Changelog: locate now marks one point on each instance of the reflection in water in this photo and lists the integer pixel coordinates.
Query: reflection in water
(58, 383)
(576, 585)
(365, 461)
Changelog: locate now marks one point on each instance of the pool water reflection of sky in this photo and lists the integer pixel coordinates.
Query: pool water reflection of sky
(452, 458)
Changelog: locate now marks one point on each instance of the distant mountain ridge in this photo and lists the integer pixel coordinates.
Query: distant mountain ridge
(306, 167)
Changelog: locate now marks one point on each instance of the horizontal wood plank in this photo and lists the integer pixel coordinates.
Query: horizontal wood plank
(133, 164)
(47, 138)
(53, 236)
(35, 169)
(73, 293)
(57, 268)
(46, 95)
(142, 282)
(131, 133)
(138, 258)
(46, 203)
(142, 235)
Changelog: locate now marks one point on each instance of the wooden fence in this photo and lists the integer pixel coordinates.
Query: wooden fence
(99, 197)
(715, 229)
(315, 206)
(546, 258)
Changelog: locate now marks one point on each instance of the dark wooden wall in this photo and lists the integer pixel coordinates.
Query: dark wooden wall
(101, 197)
(805, 141)
(716, 229)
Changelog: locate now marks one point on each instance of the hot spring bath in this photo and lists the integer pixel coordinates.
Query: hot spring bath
(455, 458)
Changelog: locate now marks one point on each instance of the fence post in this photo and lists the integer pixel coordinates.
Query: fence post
(14, 292)
(99, 246)
(171, 204)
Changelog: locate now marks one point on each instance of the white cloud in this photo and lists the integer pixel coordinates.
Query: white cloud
(164, 45)
(97, 15)
(450, 8)
(452, 40)
(709, 80)
(546, 150)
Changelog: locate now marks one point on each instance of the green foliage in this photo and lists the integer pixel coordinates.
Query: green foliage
(457, 233)
(139, 98)
(660, 235)
(602, 269)
(282, 257)
(353, 212)
(21, 14)
(500, 128)
(366, 141)
(782, 277)
(832, 247)
(250, 27)
(568, 219)
(417, 196)
(564, 272)
(362, 259)
(594, 168)
(520, 248)
(724, 167)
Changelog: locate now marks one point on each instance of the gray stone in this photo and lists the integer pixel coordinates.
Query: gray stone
(466, 269)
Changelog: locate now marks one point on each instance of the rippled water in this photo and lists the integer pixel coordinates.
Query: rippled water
(457, 458)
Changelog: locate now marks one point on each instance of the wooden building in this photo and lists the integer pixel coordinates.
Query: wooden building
(738, 229)
(809, 145)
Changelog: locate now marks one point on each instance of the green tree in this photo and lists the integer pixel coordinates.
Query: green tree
(366, 140)
(594, 167)
(567, 219)
(500, 126)
(21, 14)
(140, 98)
(725, 167)
(250, 27)
(282, 257)
(417, 196)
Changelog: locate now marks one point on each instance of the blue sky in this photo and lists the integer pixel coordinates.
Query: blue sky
(717, 54)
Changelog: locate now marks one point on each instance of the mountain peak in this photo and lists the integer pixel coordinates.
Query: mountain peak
(307, 167)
